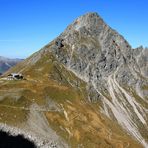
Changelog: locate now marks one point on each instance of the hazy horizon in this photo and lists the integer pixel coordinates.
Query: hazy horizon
(26, 26)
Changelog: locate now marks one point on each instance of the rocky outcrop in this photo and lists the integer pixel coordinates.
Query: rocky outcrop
(112, 69)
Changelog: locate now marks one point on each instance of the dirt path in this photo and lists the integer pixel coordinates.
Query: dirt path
(28, 109)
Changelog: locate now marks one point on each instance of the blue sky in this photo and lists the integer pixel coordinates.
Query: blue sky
(27, 25)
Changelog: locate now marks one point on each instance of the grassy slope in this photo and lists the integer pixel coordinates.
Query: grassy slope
(79, 122)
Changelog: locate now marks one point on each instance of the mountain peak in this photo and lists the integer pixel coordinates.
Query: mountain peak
(90, 15)
(90, 21)
(89, 60)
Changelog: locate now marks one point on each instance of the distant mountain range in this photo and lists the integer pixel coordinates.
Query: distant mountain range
(6, 63)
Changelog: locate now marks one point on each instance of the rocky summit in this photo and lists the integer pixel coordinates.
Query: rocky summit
(86, 88)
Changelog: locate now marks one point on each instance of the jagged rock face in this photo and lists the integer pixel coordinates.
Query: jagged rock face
(93, 48)
(113, 70)
(141, 56)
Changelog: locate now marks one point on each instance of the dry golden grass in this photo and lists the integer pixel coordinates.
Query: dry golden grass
(85, 124)
(79, 122)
